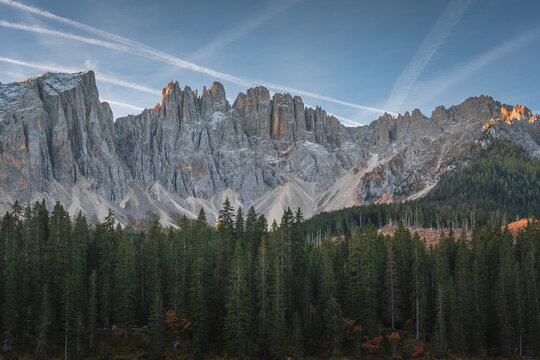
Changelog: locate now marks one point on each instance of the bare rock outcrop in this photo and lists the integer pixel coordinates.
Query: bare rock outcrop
(59, 142)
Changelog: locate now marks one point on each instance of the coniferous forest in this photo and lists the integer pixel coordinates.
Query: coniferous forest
(240, 290)
(501, 184)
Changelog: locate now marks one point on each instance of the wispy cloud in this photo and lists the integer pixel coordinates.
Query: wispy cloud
(124, 105)
(66, 35)
(99, 76)
(435, 86)
(345, 121)
(239, 31)
(429, 46)
(140, 49)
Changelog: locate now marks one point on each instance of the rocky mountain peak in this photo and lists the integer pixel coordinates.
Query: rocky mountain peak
(518, 112)
(59, 142)
(512, 114)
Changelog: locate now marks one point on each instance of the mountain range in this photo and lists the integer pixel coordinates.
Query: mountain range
(59, 142)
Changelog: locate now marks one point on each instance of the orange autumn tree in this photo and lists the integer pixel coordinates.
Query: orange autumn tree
(372, 345)
(393, 338)
(176, 325)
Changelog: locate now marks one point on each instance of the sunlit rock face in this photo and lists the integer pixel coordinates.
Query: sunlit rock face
(516, 124)
(59, 142)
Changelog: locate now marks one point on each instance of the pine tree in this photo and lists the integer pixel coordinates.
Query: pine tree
(201, 218)
(419, 285)
(67, 315)
(239, 228)
(92, 308)
(402, 251)
(43, 327)
(442, 280)
(460, 299)
(124, 283)
(263, 276)
(507, 301)
(80, 239)
(198, 301)
(440, 336)
(236, 322)
(392, 292)
(298, 334)
(252, 240)
(363, 281)
(277, 333)
(479, 291)
(224, 248)
(106, 242)
(153, 254)
(332, 315)
(156, 321)
(10, 291)
(530, 265)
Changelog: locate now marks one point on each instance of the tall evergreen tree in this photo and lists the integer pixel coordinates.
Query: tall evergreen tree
(236, 322)
(392, 292)
(263, 281)
(124, 284)
(419, 285)
(277, 334)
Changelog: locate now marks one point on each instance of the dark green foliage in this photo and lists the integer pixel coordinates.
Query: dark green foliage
(124, 283)
(244, 291)
(502, 178)
(501, 184)
(237, 321)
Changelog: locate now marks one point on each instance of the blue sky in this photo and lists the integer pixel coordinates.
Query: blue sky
(353, 58)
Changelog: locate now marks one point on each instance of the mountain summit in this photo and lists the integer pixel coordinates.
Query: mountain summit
(59, 142)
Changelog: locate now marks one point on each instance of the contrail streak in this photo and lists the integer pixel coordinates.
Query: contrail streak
(46, 31)
(140, 49)
(429, 46)
(441, 83)
(126, 84)
(224, 39)
(99, 76)
(345, 121)
(122, 104)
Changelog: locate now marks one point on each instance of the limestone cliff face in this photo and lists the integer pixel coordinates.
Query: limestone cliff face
(59, 142)
(53, 128)
(516, 124)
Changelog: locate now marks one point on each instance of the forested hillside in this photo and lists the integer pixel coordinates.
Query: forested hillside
(500, 185)
(239, 290)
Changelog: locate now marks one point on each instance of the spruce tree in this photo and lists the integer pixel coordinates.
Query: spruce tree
(278, 331)
(332, 315)
(263, 281)
(236, 322)
(92, 308)
(419, 285)
(392, 292)
(199, 313)
(80, 238)
(156, 321)
(124, 284)
(106, 242)
(43, 328)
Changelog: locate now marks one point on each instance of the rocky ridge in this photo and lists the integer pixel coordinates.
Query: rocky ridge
(59, 142)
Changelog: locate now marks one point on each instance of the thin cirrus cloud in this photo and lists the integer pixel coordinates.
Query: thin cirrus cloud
(444, 25)
(345, 121)
(446, 80)
(122, 104)
(228, 37)
(140, 49)
(46, 31)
